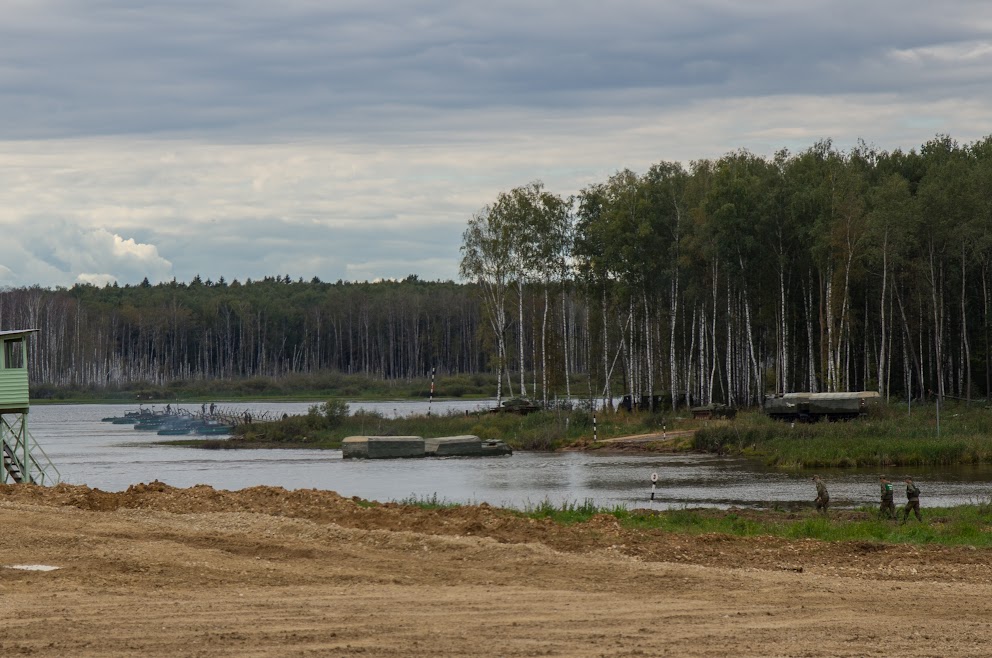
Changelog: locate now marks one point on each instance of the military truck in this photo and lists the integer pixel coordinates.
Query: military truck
(811, 407)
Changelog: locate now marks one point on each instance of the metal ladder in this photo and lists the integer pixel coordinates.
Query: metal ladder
(38, 468)
(10, 464)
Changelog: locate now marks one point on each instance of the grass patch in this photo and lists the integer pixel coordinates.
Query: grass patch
(427, 502)
(962, 525)
(965, 525)
(571, 512)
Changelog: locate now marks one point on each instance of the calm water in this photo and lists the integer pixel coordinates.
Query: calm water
(113, 457)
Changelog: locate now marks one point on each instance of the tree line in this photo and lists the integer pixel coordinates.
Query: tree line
(726, 280)
(718, 281)
(123, 335)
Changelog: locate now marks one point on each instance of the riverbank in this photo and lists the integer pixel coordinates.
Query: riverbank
(328, 424)
(890, 436)
(263, 571)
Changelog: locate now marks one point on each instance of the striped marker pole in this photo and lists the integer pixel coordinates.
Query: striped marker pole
(595, 432)
(430, 401)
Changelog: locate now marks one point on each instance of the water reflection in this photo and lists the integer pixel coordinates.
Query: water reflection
(113, 457)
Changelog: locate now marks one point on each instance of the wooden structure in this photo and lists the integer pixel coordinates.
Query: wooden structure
(23, 459)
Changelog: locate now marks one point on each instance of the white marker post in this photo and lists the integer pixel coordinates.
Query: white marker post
(595, 432)
(430, 401)
(654, 483)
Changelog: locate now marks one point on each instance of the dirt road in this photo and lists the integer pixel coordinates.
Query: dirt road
(197, 572)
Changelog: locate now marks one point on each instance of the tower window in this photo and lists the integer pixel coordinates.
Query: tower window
(13, 353)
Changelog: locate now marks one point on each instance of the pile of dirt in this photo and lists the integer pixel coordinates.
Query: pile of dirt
(161, 571)
(601, 532)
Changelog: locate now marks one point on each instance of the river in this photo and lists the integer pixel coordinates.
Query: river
(113, 457)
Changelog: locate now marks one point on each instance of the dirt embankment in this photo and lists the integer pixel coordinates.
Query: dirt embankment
(263, 571)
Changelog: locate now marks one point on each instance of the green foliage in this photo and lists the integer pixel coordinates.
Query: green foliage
(571, 512)
(427, 502)
(966, 525)
(334, 411)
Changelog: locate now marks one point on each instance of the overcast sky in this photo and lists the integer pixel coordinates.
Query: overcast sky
(354, 140)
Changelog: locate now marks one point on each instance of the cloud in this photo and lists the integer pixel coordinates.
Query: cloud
(243, 138)
(262, 70)
(57, 252)
(95, 279)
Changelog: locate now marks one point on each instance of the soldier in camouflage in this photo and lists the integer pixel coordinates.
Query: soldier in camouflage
(912, 501)
(887, 508)
(822, 497)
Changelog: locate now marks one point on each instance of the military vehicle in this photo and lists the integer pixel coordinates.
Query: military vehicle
(517, 405)
(810, 407)
(715, 410)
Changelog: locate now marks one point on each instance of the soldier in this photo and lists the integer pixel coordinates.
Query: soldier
(912, 501)
(822, 497)
(887, 508)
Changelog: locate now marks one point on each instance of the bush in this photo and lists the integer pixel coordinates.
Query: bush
(334, 412)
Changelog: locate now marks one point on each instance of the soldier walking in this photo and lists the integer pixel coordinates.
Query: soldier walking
(887, 508)
(822, 497)
(912, 501)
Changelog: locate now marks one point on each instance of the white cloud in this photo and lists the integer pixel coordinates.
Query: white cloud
(95, 279)
(53, 251)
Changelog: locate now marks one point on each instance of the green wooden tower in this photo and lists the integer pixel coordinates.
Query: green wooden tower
(23, 459)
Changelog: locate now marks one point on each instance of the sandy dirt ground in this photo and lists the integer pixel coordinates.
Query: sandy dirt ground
(157, 571)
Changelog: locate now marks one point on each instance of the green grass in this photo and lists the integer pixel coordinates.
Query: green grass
(888, 437)
(427, 502)
(569, 513)
(965, 525)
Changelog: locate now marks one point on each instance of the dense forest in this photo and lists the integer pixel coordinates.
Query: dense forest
(120, 335)
(731, 279)
(725, 280)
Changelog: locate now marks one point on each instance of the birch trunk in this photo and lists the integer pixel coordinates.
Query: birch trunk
(882, 352)
(544, 347)
(607, 390)
(673, 366)
(808, 302)
(966, 347)
(520, 334)
(935, 280)
(649, 349)
(565, 345)
(713, 350)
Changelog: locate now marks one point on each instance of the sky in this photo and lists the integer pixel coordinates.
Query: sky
(355, 140)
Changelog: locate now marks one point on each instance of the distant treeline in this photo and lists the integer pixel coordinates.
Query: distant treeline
(123, 335)
(724, 281)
